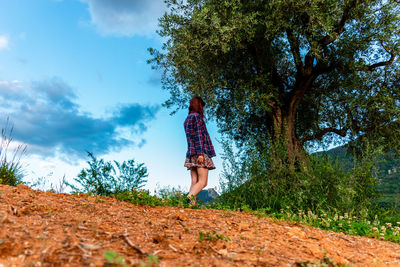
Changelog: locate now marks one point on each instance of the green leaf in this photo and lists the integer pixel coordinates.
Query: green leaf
(110, 256)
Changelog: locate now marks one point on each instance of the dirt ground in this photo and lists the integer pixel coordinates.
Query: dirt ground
(46, 229)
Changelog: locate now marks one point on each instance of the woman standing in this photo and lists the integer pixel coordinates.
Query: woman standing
(200, 149)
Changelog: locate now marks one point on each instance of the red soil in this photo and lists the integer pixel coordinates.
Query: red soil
(46, 229)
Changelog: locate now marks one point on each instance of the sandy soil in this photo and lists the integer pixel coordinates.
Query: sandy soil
(46, 229)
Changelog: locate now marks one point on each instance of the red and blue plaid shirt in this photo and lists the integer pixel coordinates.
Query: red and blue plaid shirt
(197, 136)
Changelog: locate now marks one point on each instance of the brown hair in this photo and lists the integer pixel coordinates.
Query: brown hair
(196, 105)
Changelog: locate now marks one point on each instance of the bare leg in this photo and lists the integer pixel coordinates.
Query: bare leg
(195, 177)
(202, 181)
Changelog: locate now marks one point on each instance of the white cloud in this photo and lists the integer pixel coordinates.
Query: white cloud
(3, 42)
(49, 120)
(125, 17)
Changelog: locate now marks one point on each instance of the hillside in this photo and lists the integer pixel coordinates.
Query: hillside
(388, 174)
(47, 229)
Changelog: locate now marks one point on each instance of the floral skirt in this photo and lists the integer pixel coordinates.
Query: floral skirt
(192, 162)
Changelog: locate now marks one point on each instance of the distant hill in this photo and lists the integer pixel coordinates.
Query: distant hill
(206, 195)
(388, 174)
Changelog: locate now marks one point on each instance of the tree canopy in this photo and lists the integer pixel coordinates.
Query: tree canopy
(299, 71)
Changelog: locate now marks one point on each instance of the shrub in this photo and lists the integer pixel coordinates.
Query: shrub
(11, 170)
(259, 179)
(107, 178)
(165, 197)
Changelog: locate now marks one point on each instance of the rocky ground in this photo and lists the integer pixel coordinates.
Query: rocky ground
(46, 229)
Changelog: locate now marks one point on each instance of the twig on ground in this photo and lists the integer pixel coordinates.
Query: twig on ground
(156, 252)
(181, 223)
(174, 249)
(129, 242)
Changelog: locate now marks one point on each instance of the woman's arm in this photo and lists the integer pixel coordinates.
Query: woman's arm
(197, 135)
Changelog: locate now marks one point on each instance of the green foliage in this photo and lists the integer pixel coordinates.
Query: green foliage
(386, 169)
(151, 260)
(250, 182)
(11, 172)
(327, 69)
(211, 236)
(166, 197)
(104, 178)
(371, 225)
(113, 259)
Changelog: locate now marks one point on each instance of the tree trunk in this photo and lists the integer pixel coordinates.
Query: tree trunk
(286, 145)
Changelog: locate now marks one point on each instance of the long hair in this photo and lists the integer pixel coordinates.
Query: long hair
(197, 105)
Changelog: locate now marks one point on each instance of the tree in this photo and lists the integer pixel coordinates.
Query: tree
(105, 178)
(295, 72)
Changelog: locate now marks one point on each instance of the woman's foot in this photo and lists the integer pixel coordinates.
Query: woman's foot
(191, 200)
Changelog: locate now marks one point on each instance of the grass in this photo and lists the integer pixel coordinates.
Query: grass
(114, 260)
(143, 197)
(11, 171)
(211, 236)
(346, 223)
(385, 229)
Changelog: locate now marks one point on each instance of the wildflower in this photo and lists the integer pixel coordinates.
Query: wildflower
(375, 229)
(389, 225)
(335, 218)
(340, 217)
(398, 223)
(340, 225)
(346, 215)
(383, 229)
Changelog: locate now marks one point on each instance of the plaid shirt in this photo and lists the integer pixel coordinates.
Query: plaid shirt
(198, 139)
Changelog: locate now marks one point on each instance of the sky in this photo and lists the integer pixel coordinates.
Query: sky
(74, 78)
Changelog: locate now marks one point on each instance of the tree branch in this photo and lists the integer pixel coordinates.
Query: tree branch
(308, 63)
(322, 132)
(379, 64)
(339, 28)
(294, 47)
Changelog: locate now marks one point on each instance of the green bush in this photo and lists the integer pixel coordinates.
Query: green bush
(11, 170)
(165, 197)
(259, 179)
(108, 178)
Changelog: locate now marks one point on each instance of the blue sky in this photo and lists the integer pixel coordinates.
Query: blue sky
(74, 78)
